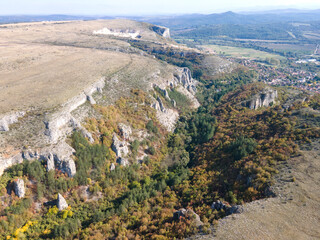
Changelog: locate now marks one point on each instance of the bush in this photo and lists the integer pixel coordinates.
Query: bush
(151, 127)
(242, 147)
(152, 150)
(197, 74)
(69, 227)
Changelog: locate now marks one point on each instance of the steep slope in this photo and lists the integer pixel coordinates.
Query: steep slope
(51, 69)
(292, 214)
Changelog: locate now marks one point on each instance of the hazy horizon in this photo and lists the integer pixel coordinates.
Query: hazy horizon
(145, 8)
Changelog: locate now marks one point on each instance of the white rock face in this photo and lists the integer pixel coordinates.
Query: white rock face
(119, 147)
(61, 202)
(159, 106)
(162, 31)
(167, 117)
(184, 77)
(68, 166)
(125, 131)
(63, 123)
(123, 161)
(19, 188)
(50, 162)
(118, 33)
(185, 84)
(174, 103)
(59, 157)
(112, 167)
(57, 127)
(7, 120)
(183, 213)
(262, 99)
(8, 162)
(166, 33)
(29, 154)
(91, 100)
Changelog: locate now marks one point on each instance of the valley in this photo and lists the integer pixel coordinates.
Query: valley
(110, 129)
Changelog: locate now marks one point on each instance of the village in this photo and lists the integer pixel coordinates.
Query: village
(299, 74)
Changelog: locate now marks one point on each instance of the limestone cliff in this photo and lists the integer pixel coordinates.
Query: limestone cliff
(184, 77)
(62, 122)
(262, 99)
(184, 83)
(162, 31)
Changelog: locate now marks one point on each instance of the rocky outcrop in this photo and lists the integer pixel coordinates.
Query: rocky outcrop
(60, 124)
(50, 162)
(112, 167)
(86, 134)
(57, 126)
(163, 91)
(56, 157)
(174, 104)
(7, 120)
(61, 202)
(30, 154)
(18, 187)
(125, 131)
(218, 205)
(8, 162)
(167, 117)
(119, 147)
(180, 213)
(162, 31)
(161, 105)
(62, 158)
(91, 100)
(158, 105)
(262, 99)
(127, 33)
(184, 77)
(123, 161)
(234, 210)
(183, 82)
(190, 214)
(67, 166)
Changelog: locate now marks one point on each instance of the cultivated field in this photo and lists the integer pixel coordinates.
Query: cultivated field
(306, 49)
(239, 52)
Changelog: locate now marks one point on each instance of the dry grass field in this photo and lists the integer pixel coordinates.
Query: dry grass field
(44, 64)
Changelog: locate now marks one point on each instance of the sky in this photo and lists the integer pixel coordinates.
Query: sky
(146, 7)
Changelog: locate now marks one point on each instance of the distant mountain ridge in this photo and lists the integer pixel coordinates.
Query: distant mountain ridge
(40, 18)
(188, 20)
(281, 16)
